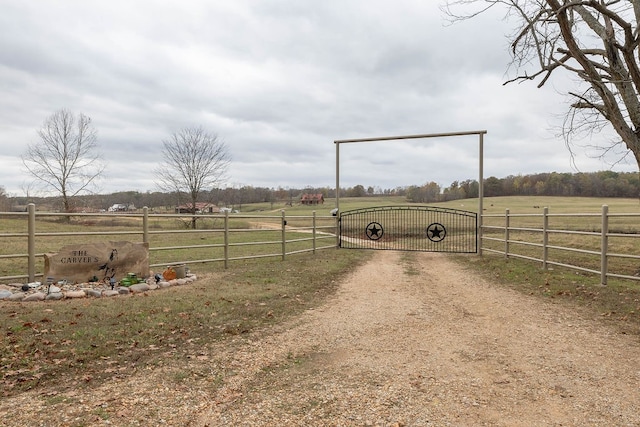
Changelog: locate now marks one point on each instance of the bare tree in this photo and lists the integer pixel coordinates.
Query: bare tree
(66, 158)
(194, 160)
(5, 204)
(596, 41)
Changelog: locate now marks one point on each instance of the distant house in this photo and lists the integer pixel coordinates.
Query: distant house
(200, 208)
(19, 208)
(119, 207)
(312, 199)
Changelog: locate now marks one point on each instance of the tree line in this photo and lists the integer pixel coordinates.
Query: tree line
(584, 184)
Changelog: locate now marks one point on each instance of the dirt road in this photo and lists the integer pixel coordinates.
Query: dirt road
(412, 340)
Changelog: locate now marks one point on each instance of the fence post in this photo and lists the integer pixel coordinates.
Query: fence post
(337, 230)
(507, 223)
(226, 239)
(145, 225)
(545, 237)
(31, 242)
(314, 232)
(284, 236)
(604, 245)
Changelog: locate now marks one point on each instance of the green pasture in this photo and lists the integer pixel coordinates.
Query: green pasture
(566, 217)
(491, 205)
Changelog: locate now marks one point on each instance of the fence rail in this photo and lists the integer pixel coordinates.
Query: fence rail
(605, 244)
(597, 243)
(226, 237)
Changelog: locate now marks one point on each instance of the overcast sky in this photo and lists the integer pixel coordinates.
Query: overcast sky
(278, 81)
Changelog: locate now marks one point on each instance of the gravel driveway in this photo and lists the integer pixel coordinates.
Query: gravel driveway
(413, 340)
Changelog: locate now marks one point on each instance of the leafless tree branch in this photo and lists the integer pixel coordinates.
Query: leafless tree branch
(194, 160)
(66, 159)
(595, 40)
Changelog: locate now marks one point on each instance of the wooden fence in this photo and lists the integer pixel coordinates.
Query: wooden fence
(222, 239)
(605, 243)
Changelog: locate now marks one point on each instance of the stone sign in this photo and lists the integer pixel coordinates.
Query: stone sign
(84, 262)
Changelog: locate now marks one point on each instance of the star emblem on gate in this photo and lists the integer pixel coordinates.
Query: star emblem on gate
(436, 232)
(374, 231)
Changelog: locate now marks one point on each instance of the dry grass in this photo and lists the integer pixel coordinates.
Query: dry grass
(73, 342)
(619, 301)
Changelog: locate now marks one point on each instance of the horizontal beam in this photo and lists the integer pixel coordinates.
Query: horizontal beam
(426, 135)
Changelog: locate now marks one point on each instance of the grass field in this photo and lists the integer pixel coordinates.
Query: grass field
(492, 205)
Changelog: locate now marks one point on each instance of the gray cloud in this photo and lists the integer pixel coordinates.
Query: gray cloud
(278, 81)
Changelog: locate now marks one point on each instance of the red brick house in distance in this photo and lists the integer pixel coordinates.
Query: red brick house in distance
(312, 199)
(201, 208)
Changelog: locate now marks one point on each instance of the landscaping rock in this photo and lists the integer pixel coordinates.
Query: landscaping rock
(140, 287)
(38, 296)
(54, 296)
(38, 291)
(96, 293)
(15, 285)
(75, 294)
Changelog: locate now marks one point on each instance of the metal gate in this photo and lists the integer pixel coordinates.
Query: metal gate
(410, 228)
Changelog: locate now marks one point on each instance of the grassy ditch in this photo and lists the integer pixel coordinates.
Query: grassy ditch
(618, 302)
(79, 342)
